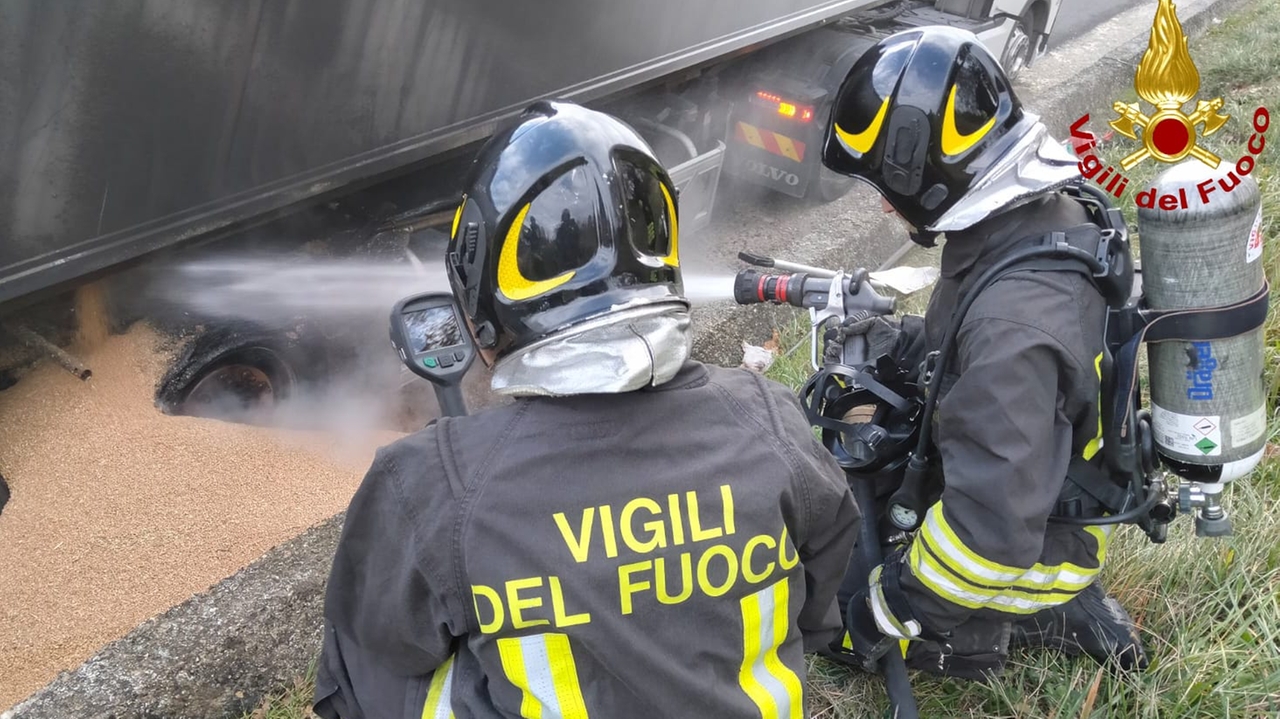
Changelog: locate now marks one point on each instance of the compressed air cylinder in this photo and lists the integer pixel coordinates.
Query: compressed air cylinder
(1199, 232)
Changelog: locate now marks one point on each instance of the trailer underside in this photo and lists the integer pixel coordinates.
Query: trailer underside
(144, 124)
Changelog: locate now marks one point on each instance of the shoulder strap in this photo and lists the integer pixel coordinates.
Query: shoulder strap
(1095, 481)
(1063, 251)
(1109, 271)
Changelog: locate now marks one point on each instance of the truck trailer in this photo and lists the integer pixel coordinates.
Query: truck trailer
(135, 134)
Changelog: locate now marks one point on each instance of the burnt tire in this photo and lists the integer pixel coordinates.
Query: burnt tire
(230, 374)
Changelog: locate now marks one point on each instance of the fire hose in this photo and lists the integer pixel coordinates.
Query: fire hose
(837, 296)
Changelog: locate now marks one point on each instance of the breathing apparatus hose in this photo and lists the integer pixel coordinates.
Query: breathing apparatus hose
(908, 497)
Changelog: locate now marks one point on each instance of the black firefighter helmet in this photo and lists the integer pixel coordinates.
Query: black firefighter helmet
(566, 216)
(921, 116)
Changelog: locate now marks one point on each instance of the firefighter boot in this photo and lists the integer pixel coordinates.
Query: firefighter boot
(1091, 623)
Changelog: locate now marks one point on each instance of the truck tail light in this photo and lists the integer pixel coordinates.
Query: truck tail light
(785, 108)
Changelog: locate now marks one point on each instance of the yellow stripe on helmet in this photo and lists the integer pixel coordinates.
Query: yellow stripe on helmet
(673, 258)
(953, 142)
(861, 142)
(457, 217)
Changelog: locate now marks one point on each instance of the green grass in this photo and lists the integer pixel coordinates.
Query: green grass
(1209, 610)
(292, 702)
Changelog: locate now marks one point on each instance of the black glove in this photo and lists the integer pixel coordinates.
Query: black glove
(909, 351)
(863, 644)
(888, 603)
(880, 333)
(876, 618)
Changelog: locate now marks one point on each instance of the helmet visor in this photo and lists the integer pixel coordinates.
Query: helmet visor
(559, 232)
(552, 237)
(649, 212)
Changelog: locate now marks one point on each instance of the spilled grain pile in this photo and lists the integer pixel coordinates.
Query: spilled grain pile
(119, 512)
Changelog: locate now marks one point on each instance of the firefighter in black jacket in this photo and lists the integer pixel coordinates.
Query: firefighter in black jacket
(928, 118)
(637, 534)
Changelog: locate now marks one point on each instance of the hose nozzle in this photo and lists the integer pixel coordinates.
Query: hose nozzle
(754, 287)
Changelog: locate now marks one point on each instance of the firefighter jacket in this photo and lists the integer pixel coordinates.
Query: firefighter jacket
(668, 552)
(1020, 399)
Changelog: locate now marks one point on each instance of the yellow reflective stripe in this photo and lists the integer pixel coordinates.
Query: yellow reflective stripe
(887, 621)
(772, 686)
(787, 147)
(943, 538)
(922, 559)
(1011, 601)
(673, 257)
(1101, 535)
(751, 651)
(862, 142)
(1063, 577)
(564, 677)
(980, 574)
(511, 282)
(780, 671)
(512, 656)
(439, 703)
(542, 668)
(947, 589)
(1091, 449)
(954, 143)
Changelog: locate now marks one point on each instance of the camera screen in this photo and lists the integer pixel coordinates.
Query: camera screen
(432, 329)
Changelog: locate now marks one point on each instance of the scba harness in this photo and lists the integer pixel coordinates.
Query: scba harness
(1119, 484)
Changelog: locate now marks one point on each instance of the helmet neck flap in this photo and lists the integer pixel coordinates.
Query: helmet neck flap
(1036, 164)
(619, 352)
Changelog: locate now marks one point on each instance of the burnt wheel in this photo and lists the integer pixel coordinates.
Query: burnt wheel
(245, 383)
(229, 378)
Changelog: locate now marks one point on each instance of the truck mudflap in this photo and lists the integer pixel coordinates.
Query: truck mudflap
(781, 159)
(776, 131)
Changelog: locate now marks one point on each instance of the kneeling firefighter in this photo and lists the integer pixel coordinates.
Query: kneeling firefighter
(928, 118)
(638, 534)
(1020, 384)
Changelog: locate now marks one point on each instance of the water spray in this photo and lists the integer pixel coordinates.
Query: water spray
(272, 291)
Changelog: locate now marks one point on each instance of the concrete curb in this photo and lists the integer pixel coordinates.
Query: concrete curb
(220, 652)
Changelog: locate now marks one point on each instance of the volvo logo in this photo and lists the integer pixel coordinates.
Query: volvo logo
(773, 173)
